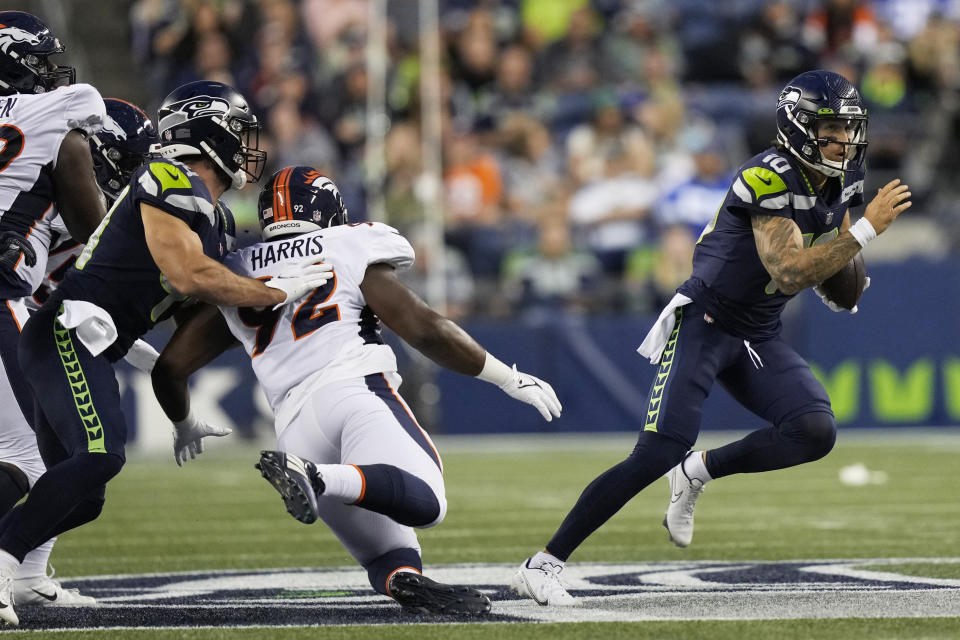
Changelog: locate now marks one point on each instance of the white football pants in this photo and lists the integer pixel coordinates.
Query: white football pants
(352, 422)
(18, 446)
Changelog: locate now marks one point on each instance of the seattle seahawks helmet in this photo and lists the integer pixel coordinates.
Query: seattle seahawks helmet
(298, 200)
(26, 45)
(213, 120)
(121, 146)
(808, 100)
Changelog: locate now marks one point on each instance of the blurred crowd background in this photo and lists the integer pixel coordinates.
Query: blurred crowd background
(585, 143)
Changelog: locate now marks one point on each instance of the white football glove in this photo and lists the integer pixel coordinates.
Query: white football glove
(298, 279)
(188, 437)
(532, 390)
(833, 306)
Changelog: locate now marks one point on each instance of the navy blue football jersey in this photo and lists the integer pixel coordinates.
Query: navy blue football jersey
(116, 270)
(728, 277)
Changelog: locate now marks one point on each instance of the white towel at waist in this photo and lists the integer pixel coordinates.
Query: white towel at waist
(653, 345)
(94, 326)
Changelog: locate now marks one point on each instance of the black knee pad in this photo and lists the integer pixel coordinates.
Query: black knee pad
(816, 432)
(14, 484)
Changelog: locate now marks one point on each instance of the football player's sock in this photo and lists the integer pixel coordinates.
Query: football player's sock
(381, 568)
(541, 558)
(35, 563)
(399, 495)
(13, 485)
(8, 564)
(806, 438)
(653, 456)
(695, 467)
(342, 481)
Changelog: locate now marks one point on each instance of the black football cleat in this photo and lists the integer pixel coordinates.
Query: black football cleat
(420, 594)
(296, 480)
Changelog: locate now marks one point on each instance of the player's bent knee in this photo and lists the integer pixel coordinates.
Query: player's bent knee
(442, 504)
(101, 467)
(816, 432)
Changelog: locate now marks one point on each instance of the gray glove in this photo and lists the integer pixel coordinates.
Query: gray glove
(188, 437)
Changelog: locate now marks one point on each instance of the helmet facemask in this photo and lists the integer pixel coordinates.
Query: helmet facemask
(249, 158)
(812, 150)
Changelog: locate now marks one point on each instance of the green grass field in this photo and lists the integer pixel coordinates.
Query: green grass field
(507, 495)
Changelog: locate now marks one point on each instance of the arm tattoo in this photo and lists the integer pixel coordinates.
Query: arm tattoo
(791, 265)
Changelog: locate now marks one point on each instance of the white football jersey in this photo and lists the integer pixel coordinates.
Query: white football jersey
(331, 334)
(63, 252)
(32, 126)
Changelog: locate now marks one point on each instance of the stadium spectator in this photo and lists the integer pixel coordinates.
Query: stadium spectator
(841, 28)
(771, 47)
(555, 277)
(694, 203)
(532, 169)
(297, 140)
(473, 191)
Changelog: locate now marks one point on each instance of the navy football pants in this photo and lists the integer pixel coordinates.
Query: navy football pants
(775, 383)
(81, 433)
(768, 378)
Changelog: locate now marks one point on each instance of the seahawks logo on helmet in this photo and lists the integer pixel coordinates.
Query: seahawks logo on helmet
(200, 106)
(788, 97)
(16, 35)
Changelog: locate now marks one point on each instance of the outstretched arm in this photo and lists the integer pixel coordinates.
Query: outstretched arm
(435, 336)
(200, 337)
(794, 267)
(441, 340)
(197, 341)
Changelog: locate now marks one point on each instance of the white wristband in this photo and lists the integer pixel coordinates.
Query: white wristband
(187, 423)
(863, 231)
(495, 372)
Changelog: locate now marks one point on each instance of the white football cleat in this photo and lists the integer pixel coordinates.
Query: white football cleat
(45, 591)
(7, 614)
(683, 497)
(542, 584)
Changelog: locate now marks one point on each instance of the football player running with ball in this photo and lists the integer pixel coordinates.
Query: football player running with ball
(784, 226)
(350, 452)
(160, 244)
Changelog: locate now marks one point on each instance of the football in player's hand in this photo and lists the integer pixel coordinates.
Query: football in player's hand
(846, 286)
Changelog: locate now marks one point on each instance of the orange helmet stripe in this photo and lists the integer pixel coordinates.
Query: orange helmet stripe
(280, 193)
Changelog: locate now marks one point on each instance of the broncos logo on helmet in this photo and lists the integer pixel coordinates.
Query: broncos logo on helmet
(15, 35)
(25, 47)
(299, 200)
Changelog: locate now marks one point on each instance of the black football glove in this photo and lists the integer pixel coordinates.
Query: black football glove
(12, 244)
